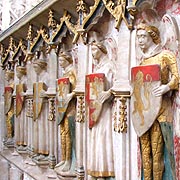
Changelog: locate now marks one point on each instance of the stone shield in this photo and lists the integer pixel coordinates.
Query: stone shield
(20, 88)
(8, 91)
(37, 99)
(63, 88)
(144, 105)
(94, 86)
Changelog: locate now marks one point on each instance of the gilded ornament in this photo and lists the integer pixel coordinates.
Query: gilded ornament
(120, 124)
(80, 110)
(118, 12)
(51, 20)
(51, 109)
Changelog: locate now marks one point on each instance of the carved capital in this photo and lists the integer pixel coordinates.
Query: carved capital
(29, 112)
(80, 108)
(52, 110)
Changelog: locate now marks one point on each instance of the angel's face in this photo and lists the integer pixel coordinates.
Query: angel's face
(63, 62)
(144, 40)
(96, 52)
(19, 74)
(7, 76)
(37, 68)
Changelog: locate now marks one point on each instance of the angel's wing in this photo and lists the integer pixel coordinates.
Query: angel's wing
(169, 34)
(170, 41)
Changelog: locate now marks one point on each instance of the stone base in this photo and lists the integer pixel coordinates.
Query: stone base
(9, 144)
(69, 175)
(24, 164)
(21, 151)
(52, 161)
(41, 162)
(66, 178)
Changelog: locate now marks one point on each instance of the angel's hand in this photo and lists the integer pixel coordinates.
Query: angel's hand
(104, 95)
(159, 91)
(23, 94)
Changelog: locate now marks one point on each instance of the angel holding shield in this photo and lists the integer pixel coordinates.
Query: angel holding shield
(157, 138)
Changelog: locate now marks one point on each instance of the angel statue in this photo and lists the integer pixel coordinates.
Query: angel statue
(20, 122)
(40, 109)
(66, 114)
(9, 106)
(99, 109)
(153, 84)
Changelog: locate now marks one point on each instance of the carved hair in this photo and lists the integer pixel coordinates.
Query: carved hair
(21, 69)
(152, 30)
(66, 56)
(10, 73)
(100, 46)
(41, 63)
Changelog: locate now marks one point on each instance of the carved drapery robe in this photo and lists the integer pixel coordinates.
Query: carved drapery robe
(41, 134)
(20, 122)
(67, 119)
(100, 148)
(9, 110)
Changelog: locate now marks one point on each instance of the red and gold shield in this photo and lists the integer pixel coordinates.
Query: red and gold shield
(8, 91)
(20, 88)
(94, 86)
(144, 105)
(37, 99)
(63, 88)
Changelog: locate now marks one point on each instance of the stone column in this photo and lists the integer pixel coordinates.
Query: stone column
(29, 109)
(29, 116)
(80, 121)
(53, 133)
(124, 138)
(51, 92)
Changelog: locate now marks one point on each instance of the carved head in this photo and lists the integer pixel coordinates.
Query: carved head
(98, 49)
(39, 65)
(65, 59)
(20, 71)
(152, 31)
(9, 75)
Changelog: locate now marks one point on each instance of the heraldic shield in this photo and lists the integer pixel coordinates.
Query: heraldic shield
(94, 86)
(144, 105)
(37, 99)
(8, 91)
(63, 88)
(20, 88)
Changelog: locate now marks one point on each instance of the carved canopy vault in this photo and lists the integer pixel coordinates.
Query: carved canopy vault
(50, 20)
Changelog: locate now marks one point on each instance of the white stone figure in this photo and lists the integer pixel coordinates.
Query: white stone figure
(9, 107)
(100, 162)
(157, 141)
(40, 111)
(66, 106)
(20, 121)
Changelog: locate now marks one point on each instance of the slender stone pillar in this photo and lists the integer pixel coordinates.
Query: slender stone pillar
(80, 121)
(52, 106)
